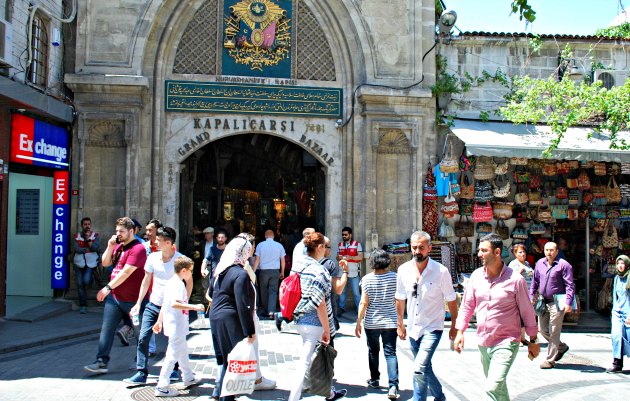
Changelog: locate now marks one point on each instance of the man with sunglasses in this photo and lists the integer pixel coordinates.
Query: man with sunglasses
(351, 251)
(422, 286)
(158, 269)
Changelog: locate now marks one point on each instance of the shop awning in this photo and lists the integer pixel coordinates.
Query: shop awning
(519, 140)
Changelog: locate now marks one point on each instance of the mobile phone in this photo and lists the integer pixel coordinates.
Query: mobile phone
(117, 240)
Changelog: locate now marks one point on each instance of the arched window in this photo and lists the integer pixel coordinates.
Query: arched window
(37, 72)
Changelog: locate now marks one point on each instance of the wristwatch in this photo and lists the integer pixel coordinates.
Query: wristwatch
(534, 341)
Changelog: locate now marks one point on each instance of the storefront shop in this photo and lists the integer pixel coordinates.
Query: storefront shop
(579, 198)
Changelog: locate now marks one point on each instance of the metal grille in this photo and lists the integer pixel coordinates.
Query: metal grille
(38, 69)
(197, 49)
(314, 58)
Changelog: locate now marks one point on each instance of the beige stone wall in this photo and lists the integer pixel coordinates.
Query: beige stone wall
(126, 49)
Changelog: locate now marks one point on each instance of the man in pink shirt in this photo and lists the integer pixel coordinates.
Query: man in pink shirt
(499, 297)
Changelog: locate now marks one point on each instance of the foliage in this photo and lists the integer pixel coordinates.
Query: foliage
(620, 31)
(524, 10)
(535, 42)
(562, 104)
(445, 83)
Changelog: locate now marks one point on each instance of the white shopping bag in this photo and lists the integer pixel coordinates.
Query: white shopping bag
(241, 370)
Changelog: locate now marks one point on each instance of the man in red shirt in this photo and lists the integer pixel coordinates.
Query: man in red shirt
(128, 257)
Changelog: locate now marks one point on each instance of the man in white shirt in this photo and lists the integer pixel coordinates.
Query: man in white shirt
(423, 285)
(269, 265)
(158, 269)
(300, 249)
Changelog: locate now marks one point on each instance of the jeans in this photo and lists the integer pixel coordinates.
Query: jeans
(268, 280)
(424, 380)
(219, 383)
(310, 336)
(149, 317)
(496, 363)
(550, 324)
(388, 337)
(353, 282)
(84, 279)
(113, 313)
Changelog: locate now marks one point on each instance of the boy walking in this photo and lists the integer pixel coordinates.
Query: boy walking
(174, 319)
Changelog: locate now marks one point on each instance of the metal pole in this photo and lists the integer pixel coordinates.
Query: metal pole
(587, 266)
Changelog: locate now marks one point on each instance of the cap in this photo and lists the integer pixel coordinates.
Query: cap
(136, 223)
(208, 230)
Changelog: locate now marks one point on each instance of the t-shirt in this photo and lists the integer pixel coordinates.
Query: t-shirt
(162, 272)
(131, 254)
(442, 181)
(174, 321)
(269, 252)
(381, 310)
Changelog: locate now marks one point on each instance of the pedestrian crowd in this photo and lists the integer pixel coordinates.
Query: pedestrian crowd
(151, 283)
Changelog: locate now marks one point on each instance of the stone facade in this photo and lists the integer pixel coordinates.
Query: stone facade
(131, 150)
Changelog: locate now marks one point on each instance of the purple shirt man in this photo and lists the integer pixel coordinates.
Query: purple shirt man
(553, 276)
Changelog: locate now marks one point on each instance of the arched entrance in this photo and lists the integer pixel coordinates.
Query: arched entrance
(252, 182)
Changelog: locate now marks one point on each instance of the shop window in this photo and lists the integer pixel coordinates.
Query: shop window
(27, 212)
(38, 69)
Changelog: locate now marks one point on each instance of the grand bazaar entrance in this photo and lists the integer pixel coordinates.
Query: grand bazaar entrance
(251, 183)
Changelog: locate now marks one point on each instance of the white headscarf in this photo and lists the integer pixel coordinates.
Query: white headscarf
(236, 252)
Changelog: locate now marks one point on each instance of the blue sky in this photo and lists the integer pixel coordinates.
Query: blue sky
(571, 17)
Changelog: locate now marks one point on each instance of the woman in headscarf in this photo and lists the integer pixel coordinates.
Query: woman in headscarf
(620, 319)
(233, 302)
(313, 314)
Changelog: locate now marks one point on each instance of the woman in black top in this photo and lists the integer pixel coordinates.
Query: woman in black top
(233, 301)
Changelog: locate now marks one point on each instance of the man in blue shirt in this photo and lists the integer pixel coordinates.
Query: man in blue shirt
(269, 265)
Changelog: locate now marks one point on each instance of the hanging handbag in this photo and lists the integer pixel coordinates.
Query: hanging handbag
(545, 215)
(483, 191)
(614, 168)
(482, 212)
(467, 163)
(502, 229)
(562, 168)
(466, 207)
(484, 228)
(537, 228)
(574, 197)
(521, 198)
(549, 169)
(520, 175)
(484, 169)
(584, 183)
(613, 192)
(599, 225)
(572, 214)
(449, 162)
(501, 187)
(455, 188)
(535, 198)
(562, 193)
(587, 198)
(464, 228)
(445, 230)
(502, 210)
(467, 188)
(450, 207)
(520, 232)
(572, 183)
(598, 212)
(599, 168)
(610, 238)
(429, 190)
(501, 165)
(518, 161)
(535, 181)
(463, 247)
(559, 211)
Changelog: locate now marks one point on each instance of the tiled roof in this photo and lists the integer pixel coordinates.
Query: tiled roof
(529, 35)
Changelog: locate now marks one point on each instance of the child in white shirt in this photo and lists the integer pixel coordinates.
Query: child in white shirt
(174, 319)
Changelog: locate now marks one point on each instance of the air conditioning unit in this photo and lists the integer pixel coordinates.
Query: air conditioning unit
(6, 48)
(610, 78)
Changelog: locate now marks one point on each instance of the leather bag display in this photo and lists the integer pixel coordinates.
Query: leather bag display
(482, 212)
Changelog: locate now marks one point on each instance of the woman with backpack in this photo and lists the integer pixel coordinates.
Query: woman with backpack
(313, 314)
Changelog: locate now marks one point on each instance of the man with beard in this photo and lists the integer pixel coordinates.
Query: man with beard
(86, 246)
(498, 295)
(128, 257)
(423, 285)
(210, 262)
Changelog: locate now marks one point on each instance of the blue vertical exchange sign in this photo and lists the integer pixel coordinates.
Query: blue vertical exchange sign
(60, 230)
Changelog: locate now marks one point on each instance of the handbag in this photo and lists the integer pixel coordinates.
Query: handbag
(482, 212)
(319, 377)
(450, 207)
(599, 168)
(598, 212)
(572, 214)
(520, 175)
(559, 211)
(562, 168)
(535, 181)
(455, 188)
(599, 225)
(610, 238)
(545, 215)
(241, 370)
(584, 183)
(572, 183)
(502, 210)
(449, 162)
(484, 170)
(463, 248)
(445, 230)
(466, 207)
(537, 228)
(501, 187)
(467, 188)
(467, 163)
(429, 190)
(574, 197)
(484, 228)
(483, 191)
(518, 161)
(464, 228)
(519, 232)
(613, 192)
(501, 165)
(502, 229)
(535, 198)
(549, 169)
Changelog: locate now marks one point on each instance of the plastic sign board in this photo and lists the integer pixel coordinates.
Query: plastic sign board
(60, 229)
(38, 143)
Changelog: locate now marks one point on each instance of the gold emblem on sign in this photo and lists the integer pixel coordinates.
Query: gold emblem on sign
(257, 33)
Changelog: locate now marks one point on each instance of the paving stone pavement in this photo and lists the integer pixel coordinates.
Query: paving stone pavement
(55, 371)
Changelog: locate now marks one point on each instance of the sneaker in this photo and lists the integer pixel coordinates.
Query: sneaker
(83, 310)
(372, 383)
(561, 354)
(138, 378)
(97, 367)
(191, 382)
(337, 394)
(125, 334)
(167, 392)
(392, 394)
(278, 319)
(546, 365)
(175, 377)
(265, 384)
